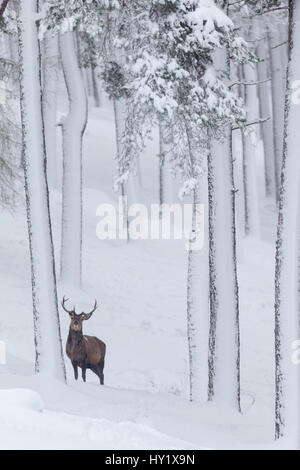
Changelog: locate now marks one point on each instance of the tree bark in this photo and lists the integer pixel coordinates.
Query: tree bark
(73, 131)
(277, 76)
(49, 357)
(251, 206)
(287, 421)
(198, 301)
(224, 337)
(50, 77)
(96, 92)
(264, 94)
(165, 176)
(119, 126)
(3, 8)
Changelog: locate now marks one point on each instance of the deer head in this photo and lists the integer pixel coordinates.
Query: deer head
(77, 319)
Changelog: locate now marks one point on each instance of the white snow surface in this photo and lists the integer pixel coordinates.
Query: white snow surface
(141, 290)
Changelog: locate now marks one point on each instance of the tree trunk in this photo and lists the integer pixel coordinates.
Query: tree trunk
(73, 130)
(50, 77)
(264, 94)
(88, 80)
(165, 176)
(49, 357)
(198, 301)
(96, 92)
(249, 157)
(224, 340)
(286, 282)
(119, 126)
(224, 337)
(283, 51)
(277, 75)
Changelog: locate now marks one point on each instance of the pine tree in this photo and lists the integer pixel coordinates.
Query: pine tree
(170, 78)
(65, 18)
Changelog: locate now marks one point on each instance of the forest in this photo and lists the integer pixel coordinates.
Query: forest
(149, 206)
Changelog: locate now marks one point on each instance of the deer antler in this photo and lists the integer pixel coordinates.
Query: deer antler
(87, 316)
(64, 300)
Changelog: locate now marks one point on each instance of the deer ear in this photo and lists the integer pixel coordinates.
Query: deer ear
(86, 316)
(71, 315)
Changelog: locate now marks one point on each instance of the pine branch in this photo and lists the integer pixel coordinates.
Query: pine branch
(259, 121)
(279, 45)
(268, 11)
(235, 3)
(249, 83)
(254, 41)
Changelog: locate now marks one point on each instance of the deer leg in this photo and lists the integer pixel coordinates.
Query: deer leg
(97, 371)
(102, 379)
(101, 374)
(75, 367)
(84, 372)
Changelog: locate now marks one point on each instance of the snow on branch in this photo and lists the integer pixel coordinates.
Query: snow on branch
(250, 83)
(259, 121)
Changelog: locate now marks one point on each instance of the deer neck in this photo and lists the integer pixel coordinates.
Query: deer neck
(75, 337)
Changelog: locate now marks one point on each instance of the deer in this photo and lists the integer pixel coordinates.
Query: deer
(85, 352)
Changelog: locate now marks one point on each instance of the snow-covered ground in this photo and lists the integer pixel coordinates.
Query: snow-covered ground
(141, 290)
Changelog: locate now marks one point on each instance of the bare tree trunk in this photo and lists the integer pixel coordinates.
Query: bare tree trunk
(88, 81)
(49, 357)
(50, 77)
(249, 157)
(277, 75)
(224, 337)
(119, 123)
(283, 51)
(287, 416)
(73, 130)
(198, 299)
(96, 92)
(162, 157)
(264, 93)
(165, 172)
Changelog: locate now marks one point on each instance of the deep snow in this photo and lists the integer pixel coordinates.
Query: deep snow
(141, 289)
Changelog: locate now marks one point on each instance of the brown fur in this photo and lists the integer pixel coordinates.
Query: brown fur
(85, 352)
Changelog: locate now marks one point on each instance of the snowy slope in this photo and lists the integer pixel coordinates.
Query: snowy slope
(26, 425)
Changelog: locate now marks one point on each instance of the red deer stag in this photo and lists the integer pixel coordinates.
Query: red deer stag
(86, 352)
